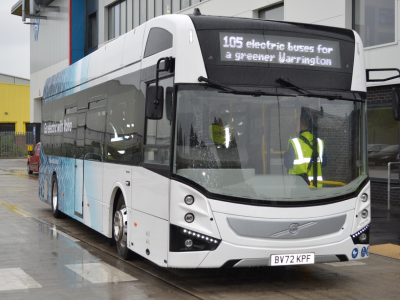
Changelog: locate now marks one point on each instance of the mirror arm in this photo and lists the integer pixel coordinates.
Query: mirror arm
(168, 66)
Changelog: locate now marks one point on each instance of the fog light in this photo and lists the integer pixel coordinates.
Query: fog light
(364, 197)
(189, 218)
(189, 200)
(364, 214)
(362, 238)
(188, 243)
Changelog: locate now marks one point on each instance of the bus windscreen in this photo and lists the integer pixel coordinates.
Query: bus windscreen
(284, 50)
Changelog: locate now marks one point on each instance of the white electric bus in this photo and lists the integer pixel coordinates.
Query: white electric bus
(184, 141)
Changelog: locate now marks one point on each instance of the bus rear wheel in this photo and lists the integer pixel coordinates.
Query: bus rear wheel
(120, 229)
(54, 198)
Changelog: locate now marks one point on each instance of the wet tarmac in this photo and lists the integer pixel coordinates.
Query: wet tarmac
(46, 258)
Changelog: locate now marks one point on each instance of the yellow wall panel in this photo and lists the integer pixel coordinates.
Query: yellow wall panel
(14, 100)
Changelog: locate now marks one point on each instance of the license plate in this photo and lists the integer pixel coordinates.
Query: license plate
(292, 259)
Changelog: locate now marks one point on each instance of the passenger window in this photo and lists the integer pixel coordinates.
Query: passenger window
(94, 133)
(46, 121)
(125, 123)
(57, 115)
(158, 135)
(70, 129)
(158, 40)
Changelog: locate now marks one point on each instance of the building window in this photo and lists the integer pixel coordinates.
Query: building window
(374, 20)
(117, 20)
(275, 12)
(144, 10)
(92, 30)
(383, 141)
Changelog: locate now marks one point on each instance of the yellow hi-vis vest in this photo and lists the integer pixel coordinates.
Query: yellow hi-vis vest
(303, 157)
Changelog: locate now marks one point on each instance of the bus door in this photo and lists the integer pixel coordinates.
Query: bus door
(94, 149)
(79, 156)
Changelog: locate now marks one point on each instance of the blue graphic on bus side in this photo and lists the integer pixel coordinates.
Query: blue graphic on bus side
(368, 251)
(363, 252)
(354, 253)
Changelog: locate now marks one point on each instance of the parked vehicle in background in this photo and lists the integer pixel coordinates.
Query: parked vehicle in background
(383, 157)
(375, 148)
(33, 160)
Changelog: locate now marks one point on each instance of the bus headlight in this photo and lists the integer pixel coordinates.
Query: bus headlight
(364, 197)
(188, 243)
(189, 199)
(189, 218)
(182, 239)
(361, 236)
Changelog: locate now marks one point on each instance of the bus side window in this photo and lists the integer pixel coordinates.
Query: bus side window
(46, 121)
(57, 116)
(158, 135)
(125, 122)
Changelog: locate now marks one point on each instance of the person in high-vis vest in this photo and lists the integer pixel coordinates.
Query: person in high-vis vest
(306, 154)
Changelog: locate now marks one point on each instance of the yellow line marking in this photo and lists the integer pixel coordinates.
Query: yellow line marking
(388, 250)
(14, 208)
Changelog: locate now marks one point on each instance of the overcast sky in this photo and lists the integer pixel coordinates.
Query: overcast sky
(14, 42)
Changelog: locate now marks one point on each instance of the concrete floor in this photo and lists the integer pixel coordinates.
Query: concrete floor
(46, 258)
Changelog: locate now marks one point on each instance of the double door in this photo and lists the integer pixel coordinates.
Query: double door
(89, 155)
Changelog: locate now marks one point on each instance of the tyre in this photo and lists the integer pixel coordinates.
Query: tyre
(120, 229)
(54, 198)
(29, 170)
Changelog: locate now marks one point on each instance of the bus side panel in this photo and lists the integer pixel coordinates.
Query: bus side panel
(149, 237)
(115, 177)
(93, 179)
(151, 193)
(64, 168)
(93, 213)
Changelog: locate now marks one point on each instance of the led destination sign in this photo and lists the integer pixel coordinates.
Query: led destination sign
(258, 48)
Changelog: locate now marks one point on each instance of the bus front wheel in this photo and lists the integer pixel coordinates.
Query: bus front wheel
(120, 229)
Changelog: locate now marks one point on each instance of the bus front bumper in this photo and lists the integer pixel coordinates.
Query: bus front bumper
(231, 255)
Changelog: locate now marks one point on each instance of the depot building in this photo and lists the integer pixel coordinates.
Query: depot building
(64, 31)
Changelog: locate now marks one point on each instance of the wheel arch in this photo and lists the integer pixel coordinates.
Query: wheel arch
(117, 190)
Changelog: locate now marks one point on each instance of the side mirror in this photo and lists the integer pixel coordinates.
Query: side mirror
(154, 104)
(168, 102)
(396, 103)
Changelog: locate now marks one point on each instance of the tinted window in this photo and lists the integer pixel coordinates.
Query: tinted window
(125, 122)
(46, 121)
(94, 134)
(158, 40)
(159, 131)
(57, 115)
(70, 129)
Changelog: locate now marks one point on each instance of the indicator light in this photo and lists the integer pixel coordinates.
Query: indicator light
(189, 200)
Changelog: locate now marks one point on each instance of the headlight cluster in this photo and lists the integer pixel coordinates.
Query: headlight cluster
(361, 236)
(182, 239)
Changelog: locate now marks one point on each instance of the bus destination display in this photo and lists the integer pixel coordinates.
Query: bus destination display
(258, 48)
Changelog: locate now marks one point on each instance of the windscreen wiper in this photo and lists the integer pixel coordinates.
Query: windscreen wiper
(229, 90)
(305, 92)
